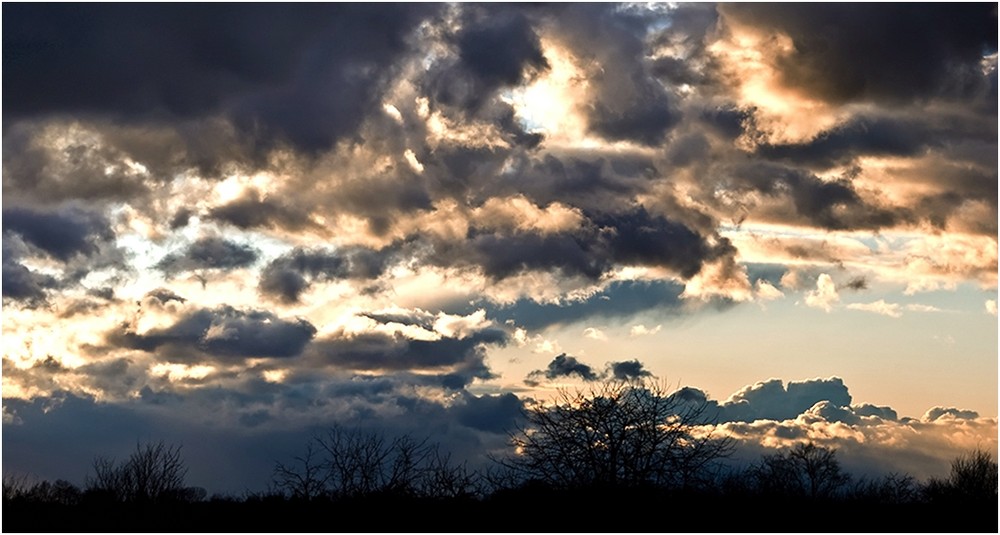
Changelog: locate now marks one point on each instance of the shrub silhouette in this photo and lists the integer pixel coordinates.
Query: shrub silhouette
(617, 434)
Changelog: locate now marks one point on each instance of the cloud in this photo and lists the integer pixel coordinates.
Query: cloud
(23, 284)
(563, 365)
(252, 210)
(627, 370)
(61, 233)
(405, 188)
(825, 295)
(620, 299)
(457, 360)
(308, 56)
(498, 48)
(942, 60)
(209, 253)
(938, 413)
(626, 100)
(594, 334)
(765, 291)
(879, 307)
(642, 330)
(991, 306)
(772, 400)
(291, 274)
(222, 333)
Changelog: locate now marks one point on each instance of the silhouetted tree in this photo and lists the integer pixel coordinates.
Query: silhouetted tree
(361, 463)
(306, 479)
(804, 470)
(351, 463)
(620, 433)
(153, 472)
(889, 489)
(973, 478)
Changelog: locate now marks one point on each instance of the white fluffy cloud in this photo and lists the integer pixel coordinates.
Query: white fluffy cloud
(825, 295)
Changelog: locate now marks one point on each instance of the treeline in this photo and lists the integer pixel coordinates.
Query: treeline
(622, 457)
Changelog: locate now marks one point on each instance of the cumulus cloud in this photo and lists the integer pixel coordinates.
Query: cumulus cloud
(825, 295)
(991, 306)
(765, 291)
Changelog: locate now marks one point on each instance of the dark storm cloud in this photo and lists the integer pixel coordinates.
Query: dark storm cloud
(619, 299)
(499, 48)
(563, 365)
(287, 276)
(208, 253)
(165, 296)
(62, 233)
(306, 75)
(253, 211)
(394, 353)
(830, 204)
(577, 178)
(502, 256)
(79, 169)
(634, 237)
(859, 137)
(23, 284)
(496, 414)
(629, 103)
(58, 437)
(628, 369)
(495, 47)
(856, 284)
(223, 332)
(638, 237)
(881, 52)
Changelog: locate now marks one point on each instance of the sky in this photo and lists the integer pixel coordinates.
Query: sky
(231, 226)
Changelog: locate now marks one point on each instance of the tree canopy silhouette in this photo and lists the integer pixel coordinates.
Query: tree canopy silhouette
(617, 434)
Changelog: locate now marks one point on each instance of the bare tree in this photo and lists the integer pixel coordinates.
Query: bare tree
(153, 472)
(442, 479)
(361, 463)
(891, 488)
(350, 463)
(620, 433)
(306, 479)
(804, 470)
(973, 478)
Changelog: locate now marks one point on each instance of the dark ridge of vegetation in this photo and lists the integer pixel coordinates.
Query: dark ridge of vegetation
(620, 457)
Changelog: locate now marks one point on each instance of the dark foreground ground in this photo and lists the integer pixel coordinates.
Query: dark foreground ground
(516, 511)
